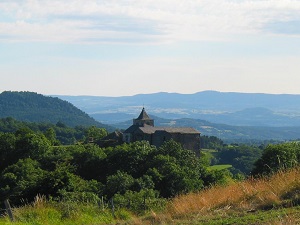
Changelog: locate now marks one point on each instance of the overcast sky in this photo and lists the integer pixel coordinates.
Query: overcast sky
(126, 47)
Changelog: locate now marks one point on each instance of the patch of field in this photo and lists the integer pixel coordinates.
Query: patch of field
(220, 167)
(208, 150)
(208, 153)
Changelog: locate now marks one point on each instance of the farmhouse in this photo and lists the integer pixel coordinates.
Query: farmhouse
(143, 129)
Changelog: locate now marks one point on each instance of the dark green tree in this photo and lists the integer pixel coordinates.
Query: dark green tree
(118, 183)
(62, 183)
(89, 160)
(7, 150)
(95, 134)
(51, 136)
(175, 170)
(133, 158)
(22, 180)
(278, 156)
(31, 145)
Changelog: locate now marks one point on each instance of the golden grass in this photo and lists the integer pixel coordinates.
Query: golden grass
(280, 189)
(239, 199)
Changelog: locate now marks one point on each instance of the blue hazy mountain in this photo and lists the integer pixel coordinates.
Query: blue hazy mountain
(228, 133)
(243, 109)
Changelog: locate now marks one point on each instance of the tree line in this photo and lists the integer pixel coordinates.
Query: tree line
(31, 164)
(36, 162)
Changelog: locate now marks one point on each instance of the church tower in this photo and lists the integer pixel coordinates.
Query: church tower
(143, 120)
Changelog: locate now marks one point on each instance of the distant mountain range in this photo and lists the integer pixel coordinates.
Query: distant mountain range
(228, 133)
(242, 109)
(246, 117)
(33, 107)
(229, 116)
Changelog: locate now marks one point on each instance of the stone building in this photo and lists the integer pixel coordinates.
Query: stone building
(143, 129)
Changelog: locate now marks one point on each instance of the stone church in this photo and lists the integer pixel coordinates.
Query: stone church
(143, 129)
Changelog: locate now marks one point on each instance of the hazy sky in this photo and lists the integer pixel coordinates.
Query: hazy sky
(125, 47)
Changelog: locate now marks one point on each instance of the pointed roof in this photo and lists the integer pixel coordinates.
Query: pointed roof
(143, 115)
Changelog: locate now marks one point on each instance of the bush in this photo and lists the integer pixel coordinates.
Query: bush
(276, 157)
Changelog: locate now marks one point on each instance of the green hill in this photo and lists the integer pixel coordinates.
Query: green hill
(33, 107)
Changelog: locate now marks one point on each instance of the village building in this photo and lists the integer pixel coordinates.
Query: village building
(143, 129)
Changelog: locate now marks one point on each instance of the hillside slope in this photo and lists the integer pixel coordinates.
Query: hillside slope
(33, 107)
(266, 200)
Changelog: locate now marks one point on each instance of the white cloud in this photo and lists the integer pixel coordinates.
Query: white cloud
(140, 21)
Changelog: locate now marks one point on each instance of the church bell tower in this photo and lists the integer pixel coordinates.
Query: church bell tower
(143, 119)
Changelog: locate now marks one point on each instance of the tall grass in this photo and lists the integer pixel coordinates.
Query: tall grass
(281, 189)
(250, 199)
(44, 212)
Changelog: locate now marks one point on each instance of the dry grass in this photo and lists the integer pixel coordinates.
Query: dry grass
(232, 204)
(281, 189)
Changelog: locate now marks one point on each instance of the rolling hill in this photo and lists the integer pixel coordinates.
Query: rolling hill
(33, 107)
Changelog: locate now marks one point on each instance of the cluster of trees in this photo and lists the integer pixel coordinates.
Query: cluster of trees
(32, 163)
(259, 158)
(58, 134)
(278, 156)
(35, 162)
(241, 156)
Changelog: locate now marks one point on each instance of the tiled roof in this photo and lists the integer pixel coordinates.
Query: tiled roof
(181, 130)
(113, 135)
(149, 129)
(131, 129)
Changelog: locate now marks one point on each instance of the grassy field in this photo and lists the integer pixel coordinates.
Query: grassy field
(268, 200)
(209, 152)
(219, 167)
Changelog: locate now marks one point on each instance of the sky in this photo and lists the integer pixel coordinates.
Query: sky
(128, 47)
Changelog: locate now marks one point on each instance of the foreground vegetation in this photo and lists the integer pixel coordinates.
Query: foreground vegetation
(252, 196)
(266, 200)
(48, 182)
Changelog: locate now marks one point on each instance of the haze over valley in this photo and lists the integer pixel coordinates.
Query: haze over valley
(230, 116)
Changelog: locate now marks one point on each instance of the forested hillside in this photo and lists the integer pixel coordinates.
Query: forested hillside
(33, 107)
